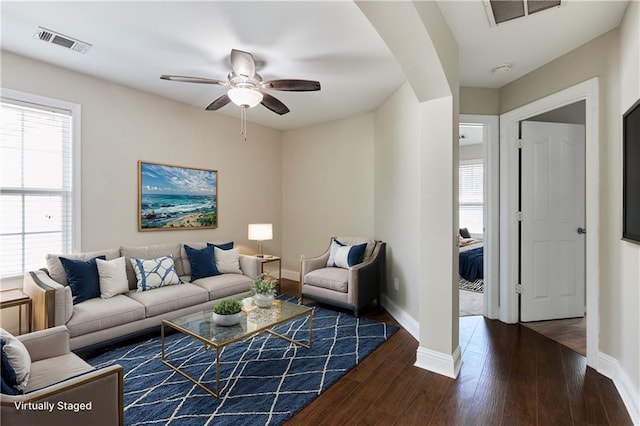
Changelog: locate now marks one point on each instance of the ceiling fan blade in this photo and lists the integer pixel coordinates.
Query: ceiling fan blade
(292, 85)
(243, 63)
(186, 79)
(274, 104)
(218, 103)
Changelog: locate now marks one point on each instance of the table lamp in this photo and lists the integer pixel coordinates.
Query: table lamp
(260, 232)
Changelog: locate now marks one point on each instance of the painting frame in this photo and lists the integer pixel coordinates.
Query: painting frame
(176, 198)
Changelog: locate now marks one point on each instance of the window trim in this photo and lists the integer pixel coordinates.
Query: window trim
(76, 153)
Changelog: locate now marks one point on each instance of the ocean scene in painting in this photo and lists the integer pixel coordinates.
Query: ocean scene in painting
(177, 197)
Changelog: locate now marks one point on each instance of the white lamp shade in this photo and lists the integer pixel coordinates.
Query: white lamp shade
(242, 96)
(260, 231)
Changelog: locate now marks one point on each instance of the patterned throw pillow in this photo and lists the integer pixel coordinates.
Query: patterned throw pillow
(342, 256)
(154, 273)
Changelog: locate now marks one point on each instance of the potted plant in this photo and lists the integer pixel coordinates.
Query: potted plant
(264, 290)
(227, 312)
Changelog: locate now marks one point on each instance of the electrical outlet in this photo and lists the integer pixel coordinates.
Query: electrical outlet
(396, 283)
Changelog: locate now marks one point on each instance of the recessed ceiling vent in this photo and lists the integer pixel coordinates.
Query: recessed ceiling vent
(500, 11)
(53, 37)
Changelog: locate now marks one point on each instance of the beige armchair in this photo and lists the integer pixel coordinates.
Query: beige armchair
(352, 288)
(62, 388)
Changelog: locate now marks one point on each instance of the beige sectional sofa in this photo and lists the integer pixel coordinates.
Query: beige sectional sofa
(98, 321)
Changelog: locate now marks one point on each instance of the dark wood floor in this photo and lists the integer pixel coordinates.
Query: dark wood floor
(570, 332)
(511, 375)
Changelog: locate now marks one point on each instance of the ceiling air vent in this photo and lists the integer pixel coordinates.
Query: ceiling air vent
(500, 11)
(53, 37)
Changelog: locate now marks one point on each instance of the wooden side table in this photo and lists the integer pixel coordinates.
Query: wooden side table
(15, 297)
(268, 259)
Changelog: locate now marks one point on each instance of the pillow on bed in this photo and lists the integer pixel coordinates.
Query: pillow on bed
(464, 233)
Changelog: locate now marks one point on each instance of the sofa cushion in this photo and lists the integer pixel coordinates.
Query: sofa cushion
(202, 262)
(54, 370)
(167, 299)
(113, 277)
(330, 278)
(151, 252)
(97, 314)
(153, 273)
(224, 285)
(227, 261)
(83, 278)
(56, 271)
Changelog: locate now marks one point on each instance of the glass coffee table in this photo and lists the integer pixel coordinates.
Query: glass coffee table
(200, 326)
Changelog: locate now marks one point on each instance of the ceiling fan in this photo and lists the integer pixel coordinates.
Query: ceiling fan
(246, 86)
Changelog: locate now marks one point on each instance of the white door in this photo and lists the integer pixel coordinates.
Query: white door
(553, 218)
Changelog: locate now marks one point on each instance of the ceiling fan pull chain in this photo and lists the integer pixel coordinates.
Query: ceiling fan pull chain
(243, 121)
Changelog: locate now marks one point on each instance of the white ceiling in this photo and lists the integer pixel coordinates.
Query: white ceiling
(525, 43)
(332, 42)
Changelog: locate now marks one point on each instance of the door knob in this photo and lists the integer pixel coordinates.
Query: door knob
(582, 231)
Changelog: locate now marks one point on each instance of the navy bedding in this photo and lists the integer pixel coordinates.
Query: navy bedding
(471, 264)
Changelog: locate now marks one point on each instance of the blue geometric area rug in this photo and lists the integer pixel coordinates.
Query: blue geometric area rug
(264, 380)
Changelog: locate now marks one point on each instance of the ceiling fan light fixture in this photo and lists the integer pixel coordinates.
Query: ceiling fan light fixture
(244, 97)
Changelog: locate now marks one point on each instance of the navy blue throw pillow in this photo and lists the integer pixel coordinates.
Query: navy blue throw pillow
(203, 262)
(83, 278)
(225, 246)
(356, 254)
(9, 379)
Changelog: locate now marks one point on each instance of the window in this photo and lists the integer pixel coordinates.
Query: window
(471, 196)
(38, 203)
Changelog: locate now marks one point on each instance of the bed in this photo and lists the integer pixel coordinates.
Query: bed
(471, 262)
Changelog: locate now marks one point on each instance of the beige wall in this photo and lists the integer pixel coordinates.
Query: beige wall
(397, 183)
(619, 279)
(327, 185)
(477, 100)
(626, 305)
(121, 125)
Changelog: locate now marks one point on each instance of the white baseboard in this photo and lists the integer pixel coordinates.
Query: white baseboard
(406, 321)
(442, 363)
(610, 367)
(291, 275)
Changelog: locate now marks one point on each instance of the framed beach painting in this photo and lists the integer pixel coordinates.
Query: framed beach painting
(176, 198)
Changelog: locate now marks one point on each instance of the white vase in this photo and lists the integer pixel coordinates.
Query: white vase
(227, 320)
(263, 300)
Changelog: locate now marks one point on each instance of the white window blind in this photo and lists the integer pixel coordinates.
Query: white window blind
(471, 196)
(36, 193)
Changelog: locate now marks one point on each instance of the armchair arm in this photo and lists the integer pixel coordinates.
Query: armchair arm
(308, 264)
(102, 389)
(251, 266)
(52, 302)
(366, 278)
(47, 343)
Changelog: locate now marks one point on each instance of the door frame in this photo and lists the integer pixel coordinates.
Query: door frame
(509, 194)
(491, 208)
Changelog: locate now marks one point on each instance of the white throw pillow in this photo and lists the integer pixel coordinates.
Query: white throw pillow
(153, 273)
(113, 277)
(19, 358)
(344, 256)
(227, 261)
